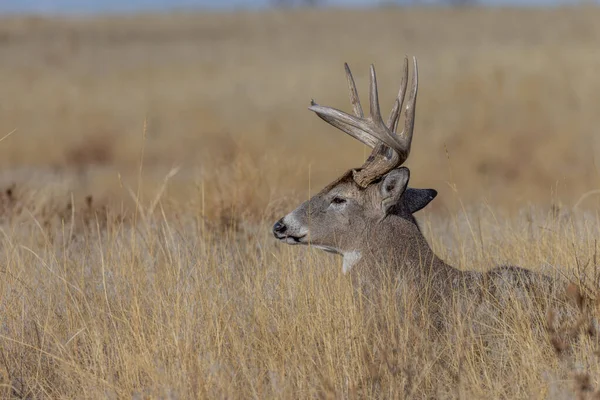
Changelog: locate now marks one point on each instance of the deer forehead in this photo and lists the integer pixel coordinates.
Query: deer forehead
(350, 190)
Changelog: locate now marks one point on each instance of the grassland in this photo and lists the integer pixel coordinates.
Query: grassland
(152, 154)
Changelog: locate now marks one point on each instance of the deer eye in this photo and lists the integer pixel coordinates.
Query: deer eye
(338, 200)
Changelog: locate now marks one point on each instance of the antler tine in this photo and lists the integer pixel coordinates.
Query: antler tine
(395, 113)
(374, 112)
(409, 119)
(358, 111)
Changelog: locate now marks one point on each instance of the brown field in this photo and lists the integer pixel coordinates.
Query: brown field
(151, 154)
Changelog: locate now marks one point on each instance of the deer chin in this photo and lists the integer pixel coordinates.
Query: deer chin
(289, 239)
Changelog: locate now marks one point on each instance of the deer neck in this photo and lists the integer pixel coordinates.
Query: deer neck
(395, 242)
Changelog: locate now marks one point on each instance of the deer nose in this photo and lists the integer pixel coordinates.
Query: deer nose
(279, 228)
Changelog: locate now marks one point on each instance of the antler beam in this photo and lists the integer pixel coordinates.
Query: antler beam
(390, 150)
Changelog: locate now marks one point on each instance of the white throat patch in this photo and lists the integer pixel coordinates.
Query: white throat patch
(350, 259)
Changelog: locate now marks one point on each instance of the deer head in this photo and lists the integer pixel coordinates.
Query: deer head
(370, 206)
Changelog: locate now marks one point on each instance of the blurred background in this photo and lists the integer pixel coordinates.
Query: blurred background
(508, 111)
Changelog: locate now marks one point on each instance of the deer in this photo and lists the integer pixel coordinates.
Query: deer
(366, 215)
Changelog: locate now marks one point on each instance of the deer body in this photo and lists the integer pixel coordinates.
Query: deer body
(366, 215)
(391, 239)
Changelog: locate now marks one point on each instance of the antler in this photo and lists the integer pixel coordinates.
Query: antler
(390, 150)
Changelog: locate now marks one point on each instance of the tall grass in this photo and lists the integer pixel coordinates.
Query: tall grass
(168, 306)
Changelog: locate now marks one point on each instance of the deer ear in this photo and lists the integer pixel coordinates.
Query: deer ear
(416, 199)
(393, 186)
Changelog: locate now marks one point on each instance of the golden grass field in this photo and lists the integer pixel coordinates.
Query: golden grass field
(151, 155)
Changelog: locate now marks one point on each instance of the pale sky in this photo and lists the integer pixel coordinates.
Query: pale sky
(93, 6)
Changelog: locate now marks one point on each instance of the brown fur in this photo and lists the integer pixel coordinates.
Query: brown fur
(392, 248)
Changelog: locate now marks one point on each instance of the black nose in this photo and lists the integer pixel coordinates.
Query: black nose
(279, 228)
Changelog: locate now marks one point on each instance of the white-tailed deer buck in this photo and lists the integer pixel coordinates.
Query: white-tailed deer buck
(366, 215)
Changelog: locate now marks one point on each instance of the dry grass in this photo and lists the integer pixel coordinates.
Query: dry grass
(137, 262)
(174, 307)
